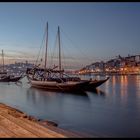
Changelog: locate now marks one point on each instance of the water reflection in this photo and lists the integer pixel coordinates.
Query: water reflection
(77, 93)
(138, 81)
(113, 81)
(110, 109)
(37, 95)
(124, 88)
(57, 106)
(97, 92)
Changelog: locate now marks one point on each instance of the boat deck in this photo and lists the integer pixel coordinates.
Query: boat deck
(14, 125)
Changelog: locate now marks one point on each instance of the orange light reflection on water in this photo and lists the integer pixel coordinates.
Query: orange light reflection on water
(107, 85)
(138, 84)
(113, 81)
(124, 88)
(113, 84)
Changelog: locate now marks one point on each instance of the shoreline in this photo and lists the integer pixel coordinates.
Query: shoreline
(18, 113)
(29, 123)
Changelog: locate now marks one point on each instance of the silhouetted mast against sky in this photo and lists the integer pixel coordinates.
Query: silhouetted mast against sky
(46, 46)
(3, 60)
(59, 51)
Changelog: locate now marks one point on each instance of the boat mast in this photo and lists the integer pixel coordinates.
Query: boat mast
(3, 60)
(46, 47)
(59, 51)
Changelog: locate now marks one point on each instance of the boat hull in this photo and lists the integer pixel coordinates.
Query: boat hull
(66, 86)
(5, 79)
(15, 79)
(10, 79)
(95, 83)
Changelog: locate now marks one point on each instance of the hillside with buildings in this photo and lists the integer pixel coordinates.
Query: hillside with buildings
(118, 65)
(17, 68)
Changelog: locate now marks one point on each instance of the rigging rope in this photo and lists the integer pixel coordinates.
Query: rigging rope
(80, 50)
(55, 47)
(40, 47)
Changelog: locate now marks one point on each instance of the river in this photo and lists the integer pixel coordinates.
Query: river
(113, 110)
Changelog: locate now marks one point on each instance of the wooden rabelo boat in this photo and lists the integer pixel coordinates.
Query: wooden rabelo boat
(52, 79)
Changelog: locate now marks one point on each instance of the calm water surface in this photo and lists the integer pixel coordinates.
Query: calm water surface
(113, 110)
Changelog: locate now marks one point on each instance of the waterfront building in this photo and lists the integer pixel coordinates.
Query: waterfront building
(118, 65)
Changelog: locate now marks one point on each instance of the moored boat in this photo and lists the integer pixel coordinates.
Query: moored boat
(15, 78)
(10, 78)
(5, 77)
(62, 86)
(51, 79)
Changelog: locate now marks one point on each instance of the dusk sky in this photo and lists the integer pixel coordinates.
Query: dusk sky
(90, 31)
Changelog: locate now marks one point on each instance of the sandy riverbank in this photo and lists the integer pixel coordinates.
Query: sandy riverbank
(19, 114)
(22, 120)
